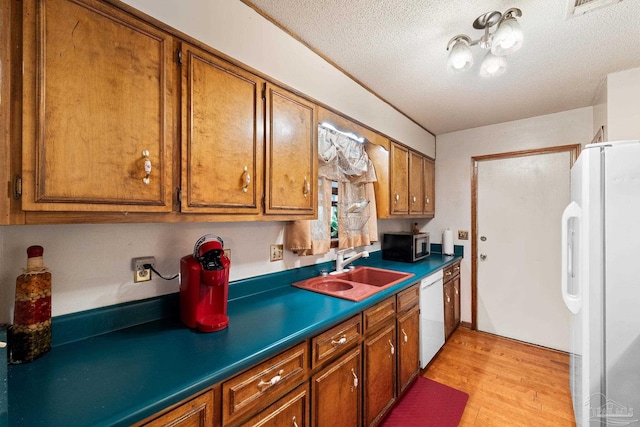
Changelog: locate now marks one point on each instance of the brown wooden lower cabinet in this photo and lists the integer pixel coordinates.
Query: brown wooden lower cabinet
(451, 298)
(379, 382)
(197, 412)
(348, 381)
(337, 393)
(408, 347)
(291, 410)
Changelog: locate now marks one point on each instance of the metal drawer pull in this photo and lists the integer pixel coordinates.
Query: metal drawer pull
(406, 337)
(307, 187)
(295, 424)
(147, 167)
(247, 180)
(355, 378)
(393, 349)
(457, 268)
(342, 340)
(449, 273)
(273, 381)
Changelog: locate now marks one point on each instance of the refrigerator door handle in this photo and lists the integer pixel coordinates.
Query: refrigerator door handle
(572, 301)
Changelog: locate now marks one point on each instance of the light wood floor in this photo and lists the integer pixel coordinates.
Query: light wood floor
(509, 383)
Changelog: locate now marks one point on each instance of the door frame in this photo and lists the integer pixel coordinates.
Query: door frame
(573, 150)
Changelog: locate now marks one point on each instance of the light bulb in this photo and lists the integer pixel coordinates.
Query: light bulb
(493, 65)
(508, 38)
(460, 57)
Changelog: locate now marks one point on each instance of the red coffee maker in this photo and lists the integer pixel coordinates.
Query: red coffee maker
(204, 285)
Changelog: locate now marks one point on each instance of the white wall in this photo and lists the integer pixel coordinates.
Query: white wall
(91, 263)
(623, 105)
(600, 111)
(453, 170)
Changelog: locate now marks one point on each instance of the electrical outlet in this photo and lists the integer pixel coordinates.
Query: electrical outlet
(140, 273)
(276, 252)
(463, 235)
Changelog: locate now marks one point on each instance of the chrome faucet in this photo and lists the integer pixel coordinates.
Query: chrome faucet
(341, 263)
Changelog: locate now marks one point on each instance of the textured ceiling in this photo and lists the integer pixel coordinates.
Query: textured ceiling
(398, 50)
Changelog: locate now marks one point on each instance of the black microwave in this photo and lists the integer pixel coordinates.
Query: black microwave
(405, 247)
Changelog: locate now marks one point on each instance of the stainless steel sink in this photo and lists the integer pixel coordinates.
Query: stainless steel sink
(354, 285)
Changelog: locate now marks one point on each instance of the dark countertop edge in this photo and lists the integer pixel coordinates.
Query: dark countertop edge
(196, 385)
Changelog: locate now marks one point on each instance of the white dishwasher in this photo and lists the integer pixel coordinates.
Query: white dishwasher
(431, 317)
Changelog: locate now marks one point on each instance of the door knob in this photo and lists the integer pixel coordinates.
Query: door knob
(483, 238)
(483, 257)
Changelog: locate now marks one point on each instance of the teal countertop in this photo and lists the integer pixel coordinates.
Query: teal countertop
(121, 377)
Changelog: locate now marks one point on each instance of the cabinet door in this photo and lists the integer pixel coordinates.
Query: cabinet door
(399, 180)
(291, 154)
(456, 300)
(408, 348)
(429, 170)
(222, 136)
(336, 395)
(448, 308)
(416, 178)
(379, 374)
(98, 102)
(291, 410)
(196, 412)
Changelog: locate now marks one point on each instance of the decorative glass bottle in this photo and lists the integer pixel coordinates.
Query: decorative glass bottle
(31, 331)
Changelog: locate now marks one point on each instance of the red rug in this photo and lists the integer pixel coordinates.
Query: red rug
(428, 403)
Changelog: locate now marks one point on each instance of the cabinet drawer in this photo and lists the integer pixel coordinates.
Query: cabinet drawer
(408, 298)
(197, 411)
(290, 410)
(451, 271)
(335, 340)
(379, 314)
(260, 385)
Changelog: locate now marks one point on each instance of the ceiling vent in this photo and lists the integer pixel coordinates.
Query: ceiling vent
(580, 7)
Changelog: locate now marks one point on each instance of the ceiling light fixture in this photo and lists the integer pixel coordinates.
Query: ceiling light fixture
(505, 40)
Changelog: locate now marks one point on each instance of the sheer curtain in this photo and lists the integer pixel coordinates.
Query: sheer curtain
(342, 159)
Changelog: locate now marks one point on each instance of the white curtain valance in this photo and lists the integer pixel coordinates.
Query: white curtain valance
(343, 159)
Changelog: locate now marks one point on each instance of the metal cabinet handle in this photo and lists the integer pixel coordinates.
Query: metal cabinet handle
(273, 381)
(456, 289)
(448, 273)
(147, 167)
(293, 422)
(393, 349)
(406, 337)
(448, 298)
(426, 200)
(3, 344)
(457, 268)
(342, 340)
(307, 187)
(397, 197)
(247, 180)
(355, 378)
(414, 199)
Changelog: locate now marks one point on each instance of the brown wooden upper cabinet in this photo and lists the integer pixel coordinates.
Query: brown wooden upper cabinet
(416, 183)
(291, 154)
(222, 136)
(410, 179)
(399, 175)
(97, 109)
(429, 173)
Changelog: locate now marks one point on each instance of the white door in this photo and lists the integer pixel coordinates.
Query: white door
(519, 206)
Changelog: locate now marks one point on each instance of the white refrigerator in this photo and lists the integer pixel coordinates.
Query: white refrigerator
(601, 283)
